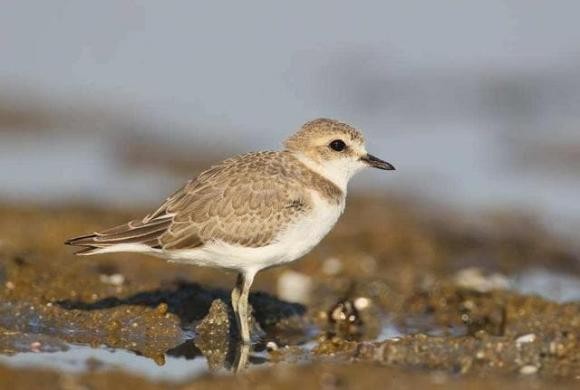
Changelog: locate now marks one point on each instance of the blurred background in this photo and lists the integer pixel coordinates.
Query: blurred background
(107, 107)
(118, 102)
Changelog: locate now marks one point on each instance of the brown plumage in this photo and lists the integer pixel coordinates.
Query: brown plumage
(245, 200)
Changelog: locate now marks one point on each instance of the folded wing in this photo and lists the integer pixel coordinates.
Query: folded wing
(247, 201)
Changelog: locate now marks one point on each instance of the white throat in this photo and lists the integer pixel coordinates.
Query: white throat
(338, 172)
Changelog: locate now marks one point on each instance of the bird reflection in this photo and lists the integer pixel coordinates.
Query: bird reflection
(235, 357)
(242, 356)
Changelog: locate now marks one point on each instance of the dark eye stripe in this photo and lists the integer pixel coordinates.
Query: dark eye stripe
(337, 145)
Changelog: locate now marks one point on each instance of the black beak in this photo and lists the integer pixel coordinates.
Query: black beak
(376, 162)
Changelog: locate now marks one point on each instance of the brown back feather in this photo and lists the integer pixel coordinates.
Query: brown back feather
(246, 200)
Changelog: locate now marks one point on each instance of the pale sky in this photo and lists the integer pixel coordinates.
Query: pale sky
(254, 65)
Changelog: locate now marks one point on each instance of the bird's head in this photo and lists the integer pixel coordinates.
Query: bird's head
(335, 149)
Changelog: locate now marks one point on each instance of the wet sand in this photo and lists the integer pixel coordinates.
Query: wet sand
(397, 295)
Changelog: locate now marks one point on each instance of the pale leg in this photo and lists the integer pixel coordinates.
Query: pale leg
(240, 305)
(236, 292)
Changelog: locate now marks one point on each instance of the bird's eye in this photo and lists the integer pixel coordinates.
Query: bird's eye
(337, 145)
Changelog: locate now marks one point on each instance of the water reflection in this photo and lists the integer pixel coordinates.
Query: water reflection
(235, 357)
(143, 339)
(82, 358)
(183, 362)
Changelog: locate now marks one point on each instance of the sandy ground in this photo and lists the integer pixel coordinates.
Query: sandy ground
(397, 295)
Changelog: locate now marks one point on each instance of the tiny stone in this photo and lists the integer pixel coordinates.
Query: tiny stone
(470, 305)
(159, 360)
(474, 278)
(161, 308)
(527, 338)
(332, 266)
(362, 303)
(294, 287)
(271, 346)
(528, 370)
(115, 279)
(10, 285)
(35, 346)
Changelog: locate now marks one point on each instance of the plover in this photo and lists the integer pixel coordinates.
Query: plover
(250, 212)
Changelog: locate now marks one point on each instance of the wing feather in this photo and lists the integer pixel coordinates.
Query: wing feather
(246, 200)
(242, 202)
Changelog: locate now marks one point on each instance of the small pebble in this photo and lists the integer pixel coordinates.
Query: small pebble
(114, 279)
(362, 303)
(528, 370)
(527, 338)
(332, 266)
(474, 278)
(35, 346)
(271, 346)
(556, 348)
(10, 285)
(294, 287)
(344, 311)
(161, 308)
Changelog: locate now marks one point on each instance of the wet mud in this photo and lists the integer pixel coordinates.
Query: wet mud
(397, 295)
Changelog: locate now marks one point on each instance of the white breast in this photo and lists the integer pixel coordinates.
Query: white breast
(294, 242)
(307, 232)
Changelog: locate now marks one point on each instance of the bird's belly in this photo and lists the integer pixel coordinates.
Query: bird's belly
(307, 232)
(292, 243)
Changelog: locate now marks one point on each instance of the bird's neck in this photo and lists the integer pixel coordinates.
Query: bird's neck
(334, 173)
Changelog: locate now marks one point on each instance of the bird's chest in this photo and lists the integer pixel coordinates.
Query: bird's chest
(310, 229)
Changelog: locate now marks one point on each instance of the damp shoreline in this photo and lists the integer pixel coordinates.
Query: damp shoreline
(395, 290)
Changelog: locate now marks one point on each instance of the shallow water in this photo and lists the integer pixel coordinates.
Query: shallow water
(41, 346)
(180, 364)
(82, 358)
(555, 286)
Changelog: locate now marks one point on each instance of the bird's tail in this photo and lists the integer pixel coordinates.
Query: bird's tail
(135, 236)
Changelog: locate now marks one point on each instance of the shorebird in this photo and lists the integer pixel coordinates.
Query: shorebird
(250, 212)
